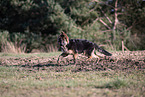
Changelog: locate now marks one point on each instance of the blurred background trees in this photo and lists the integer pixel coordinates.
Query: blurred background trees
(29, 25)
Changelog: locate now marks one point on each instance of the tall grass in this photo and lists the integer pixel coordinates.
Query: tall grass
(10, 47)
(7, 46)
(51, 48)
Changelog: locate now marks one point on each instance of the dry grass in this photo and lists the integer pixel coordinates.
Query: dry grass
(51, 48)
(10, 47)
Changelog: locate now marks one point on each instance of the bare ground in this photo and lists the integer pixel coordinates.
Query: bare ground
(119, 61)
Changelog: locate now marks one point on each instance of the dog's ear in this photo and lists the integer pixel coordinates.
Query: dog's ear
(67, 38)
(62, 33)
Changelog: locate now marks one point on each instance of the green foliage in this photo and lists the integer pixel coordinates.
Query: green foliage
(3, 37)
(42, 20)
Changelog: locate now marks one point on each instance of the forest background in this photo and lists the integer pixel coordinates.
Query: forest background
(33, 25)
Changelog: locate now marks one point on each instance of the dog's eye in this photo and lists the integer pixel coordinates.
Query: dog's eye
(62, 35)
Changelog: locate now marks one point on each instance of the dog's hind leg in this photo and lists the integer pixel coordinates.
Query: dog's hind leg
(93, 55)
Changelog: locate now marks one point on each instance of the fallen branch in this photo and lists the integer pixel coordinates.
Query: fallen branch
(124, 47)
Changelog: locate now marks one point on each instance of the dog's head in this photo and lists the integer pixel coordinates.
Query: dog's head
(63, 39)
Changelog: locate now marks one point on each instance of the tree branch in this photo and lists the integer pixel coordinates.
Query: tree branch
(116, 15)
(102, 3)
(79, 28)
(105, 24)
(106, 16)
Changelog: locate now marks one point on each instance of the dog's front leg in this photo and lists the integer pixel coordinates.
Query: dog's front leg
(75, 57)
(62, 55)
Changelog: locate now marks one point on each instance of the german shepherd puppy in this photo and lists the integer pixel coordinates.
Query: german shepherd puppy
(78, 46)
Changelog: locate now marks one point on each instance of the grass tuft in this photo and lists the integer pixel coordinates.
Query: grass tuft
(116, 84)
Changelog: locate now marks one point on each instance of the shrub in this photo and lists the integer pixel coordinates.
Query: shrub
(26, 43)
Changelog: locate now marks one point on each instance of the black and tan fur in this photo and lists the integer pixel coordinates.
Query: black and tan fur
(78, 46)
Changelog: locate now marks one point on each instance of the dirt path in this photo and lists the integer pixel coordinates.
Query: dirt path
(119, 61)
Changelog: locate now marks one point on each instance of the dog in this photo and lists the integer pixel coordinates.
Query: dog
(78, 46)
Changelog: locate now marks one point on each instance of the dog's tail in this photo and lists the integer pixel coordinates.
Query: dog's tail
(101, 50)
